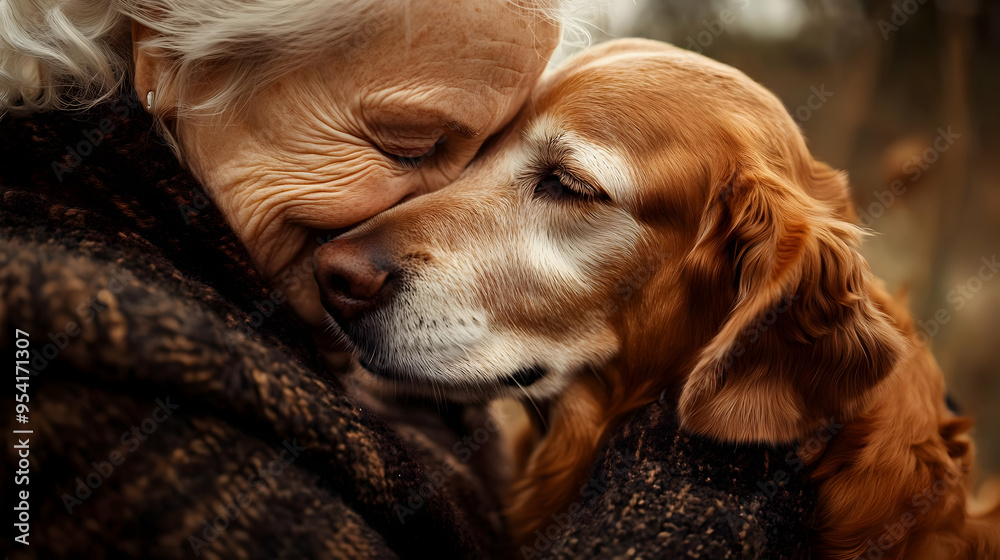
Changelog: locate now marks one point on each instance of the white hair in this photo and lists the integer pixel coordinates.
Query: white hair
(47, 49)
(70, 54)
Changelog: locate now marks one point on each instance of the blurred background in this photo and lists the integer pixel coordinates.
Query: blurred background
(903, 95)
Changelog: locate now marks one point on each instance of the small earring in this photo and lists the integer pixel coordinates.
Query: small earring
(149, 99)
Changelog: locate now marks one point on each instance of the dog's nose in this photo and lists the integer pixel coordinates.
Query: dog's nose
(351, 275)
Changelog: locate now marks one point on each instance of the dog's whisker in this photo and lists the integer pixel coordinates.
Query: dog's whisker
(439, 399)
(533, 404)
(596, 375)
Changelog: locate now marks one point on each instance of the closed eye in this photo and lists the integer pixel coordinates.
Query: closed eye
(414, 162)
(558, 185)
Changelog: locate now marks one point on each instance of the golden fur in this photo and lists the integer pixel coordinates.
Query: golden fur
(775, 226)
(712, 259)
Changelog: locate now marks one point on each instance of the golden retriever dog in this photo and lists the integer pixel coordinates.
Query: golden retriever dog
(653, 221)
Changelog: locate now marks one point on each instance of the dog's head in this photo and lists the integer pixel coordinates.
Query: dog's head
(652, 217)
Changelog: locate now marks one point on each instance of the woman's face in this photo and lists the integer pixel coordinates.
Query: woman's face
(345, 138)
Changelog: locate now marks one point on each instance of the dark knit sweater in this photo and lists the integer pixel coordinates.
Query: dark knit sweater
(656, 492)
(177, 407)
(179, 410)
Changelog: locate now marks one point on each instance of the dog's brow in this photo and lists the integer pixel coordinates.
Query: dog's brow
(601, 167)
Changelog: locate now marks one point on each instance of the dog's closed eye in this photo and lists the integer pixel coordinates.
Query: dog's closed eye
(561, 186)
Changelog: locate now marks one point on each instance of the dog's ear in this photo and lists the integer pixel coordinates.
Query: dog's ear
(802, 343)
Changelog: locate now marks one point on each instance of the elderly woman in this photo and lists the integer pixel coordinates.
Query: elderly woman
(298, 118)
(156, 290)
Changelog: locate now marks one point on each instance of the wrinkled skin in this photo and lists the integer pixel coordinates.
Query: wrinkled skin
(322, 149)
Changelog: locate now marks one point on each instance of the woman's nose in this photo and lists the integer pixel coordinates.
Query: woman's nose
(353, 276)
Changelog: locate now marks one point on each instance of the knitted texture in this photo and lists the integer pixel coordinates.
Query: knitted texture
(656, 492)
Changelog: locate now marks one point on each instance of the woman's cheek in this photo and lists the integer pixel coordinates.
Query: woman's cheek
(368, 190)
(347, 204)
(371, 197)
(446, 172)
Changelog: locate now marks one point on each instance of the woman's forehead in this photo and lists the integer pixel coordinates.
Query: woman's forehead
(461, 85)
(456, 42)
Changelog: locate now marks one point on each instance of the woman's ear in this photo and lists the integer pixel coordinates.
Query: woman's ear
(149, 72)
(803, 343)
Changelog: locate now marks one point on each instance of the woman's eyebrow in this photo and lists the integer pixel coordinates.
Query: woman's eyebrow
(428, 120)
(460, 128)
